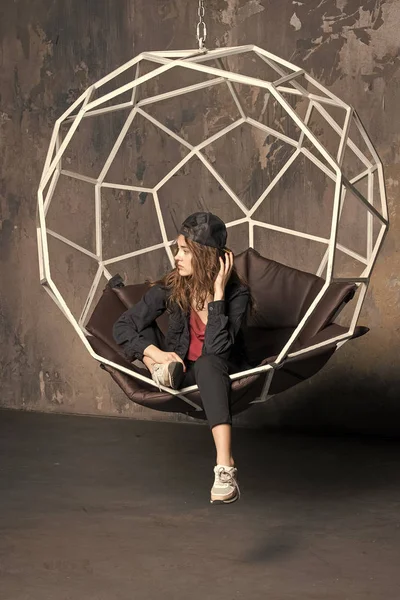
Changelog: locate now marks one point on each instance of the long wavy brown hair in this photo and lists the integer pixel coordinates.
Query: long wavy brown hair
(184, 290)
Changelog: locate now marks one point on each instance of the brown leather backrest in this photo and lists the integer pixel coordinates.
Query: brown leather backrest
(131, 294)
(283, 294)
(109, 308)
(279, 291)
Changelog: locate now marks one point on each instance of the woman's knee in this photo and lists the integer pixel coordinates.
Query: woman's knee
(210, 362)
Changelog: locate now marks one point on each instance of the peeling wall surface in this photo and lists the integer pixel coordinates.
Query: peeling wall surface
(51, 52)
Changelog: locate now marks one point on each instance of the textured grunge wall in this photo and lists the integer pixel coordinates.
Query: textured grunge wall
(50, 53)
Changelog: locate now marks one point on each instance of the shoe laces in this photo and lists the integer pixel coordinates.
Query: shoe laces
(227, 477)
(157, 368)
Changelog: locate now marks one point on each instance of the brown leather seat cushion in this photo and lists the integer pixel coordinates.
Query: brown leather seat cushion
(262, 343)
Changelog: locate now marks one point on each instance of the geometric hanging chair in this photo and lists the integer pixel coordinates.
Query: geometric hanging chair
(290, 293)
(302, 176)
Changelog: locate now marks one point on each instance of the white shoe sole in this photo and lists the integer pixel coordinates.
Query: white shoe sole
(176, 374)
(227, 501)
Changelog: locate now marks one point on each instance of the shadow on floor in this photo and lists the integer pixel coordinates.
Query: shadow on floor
(89, 506)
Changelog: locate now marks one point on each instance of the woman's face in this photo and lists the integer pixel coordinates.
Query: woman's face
(183, 258)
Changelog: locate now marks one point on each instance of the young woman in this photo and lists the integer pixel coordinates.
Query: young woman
(207, 302)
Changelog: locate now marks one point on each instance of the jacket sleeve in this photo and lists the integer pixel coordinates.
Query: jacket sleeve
(127, 331)
(224, 321)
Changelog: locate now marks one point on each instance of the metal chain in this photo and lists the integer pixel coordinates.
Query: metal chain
(201, 26)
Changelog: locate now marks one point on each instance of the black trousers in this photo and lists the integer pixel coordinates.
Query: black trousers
(210, 373)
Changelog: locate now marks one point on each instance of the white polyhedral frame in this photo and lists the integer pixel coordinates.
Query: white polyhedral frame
(286, 82)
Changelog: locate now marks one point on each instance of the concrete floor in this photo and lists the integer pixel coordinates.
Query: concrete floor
(104, 509)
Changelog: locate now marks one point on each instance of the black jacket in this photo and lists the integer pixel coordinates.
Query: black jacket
(223, 335)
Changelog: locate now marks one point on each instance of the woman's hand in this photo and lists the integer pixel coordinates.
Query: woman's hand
(159, 356)
(223, 275)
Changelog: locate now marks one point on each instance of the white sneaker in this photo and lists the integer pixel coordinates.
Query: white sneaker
(168, 374)
(225, 488)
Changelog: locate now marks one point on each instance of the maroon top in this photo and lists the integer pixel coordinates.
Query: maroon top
(197, 331)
